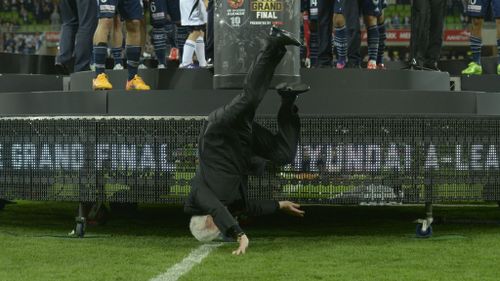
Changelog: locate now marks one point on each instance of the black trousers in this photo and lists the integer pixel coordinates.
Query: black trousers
(352, 12)
(239, 114)
(79, 21)
(427, 24)
(325, 21)
(209, 49)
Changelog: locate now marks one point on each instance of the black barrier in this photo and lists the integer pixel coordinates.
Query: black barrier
(340, 160)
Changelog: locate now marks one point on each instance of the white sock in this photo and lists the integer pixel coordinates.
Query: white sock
(200, 51)
(187, 55)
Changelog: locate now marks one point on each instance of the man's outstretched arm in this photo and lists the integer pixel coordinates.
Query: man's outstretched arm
(265, 207)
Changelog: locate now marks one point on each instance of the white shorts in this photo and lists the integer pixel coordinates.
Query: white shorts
(193, 12)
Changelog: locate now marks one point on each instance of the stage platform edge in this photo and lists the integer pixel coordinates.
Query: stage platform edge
(325, 79)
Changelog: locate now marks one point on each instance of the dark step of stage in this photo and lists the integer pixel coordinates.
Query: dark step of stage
(319, 78)
(201, 102)
(30, 82)
(485, 83)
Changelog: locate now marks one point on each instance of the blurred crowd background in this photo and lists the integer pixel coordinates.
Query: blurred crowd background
(32, 26)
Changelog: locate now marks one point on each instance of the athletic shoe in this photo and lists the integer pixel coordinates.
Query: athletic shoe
(381, 66)
(189, 66)
(372, 65)
(101, 82)
(118, 66)
(174, 54)
(473, 69)
(161, 66)
(340, 65)
(498, 69)
(142, 66)
(137, 84)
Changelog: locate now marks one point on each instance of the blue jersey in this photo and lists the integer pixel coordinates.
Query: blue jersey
(478, 8)
(373, 7)
(310, 6)
(127, 9)
(159, 9)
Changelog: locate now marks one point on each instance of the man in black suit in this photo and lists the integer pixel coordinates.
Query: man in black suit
(232, 147)
(427, 24)
(79, 21)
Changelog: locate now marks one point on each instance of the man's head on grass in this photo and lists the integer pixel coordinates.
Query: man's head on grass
(203, 228)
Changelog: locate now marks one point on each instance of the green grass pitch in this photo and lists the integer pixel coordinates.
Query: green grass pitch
(330, 243)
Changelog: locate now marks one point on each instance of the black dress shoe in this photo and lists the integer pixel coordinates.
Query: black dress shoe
(431, 67)
(292, 90)
(287, 38)
(61, 69)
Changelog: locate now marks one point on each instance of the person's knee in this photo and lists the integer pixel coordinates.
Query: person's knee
(133, 27)
(339, 20)
(105, 23)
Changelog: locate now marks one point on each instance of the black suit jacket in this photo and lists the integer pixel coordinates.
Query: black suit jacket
(220, 185)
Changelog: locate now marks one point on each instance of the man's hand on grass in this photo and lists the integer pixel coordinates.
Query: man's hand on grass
(243, 240)
(291, 208)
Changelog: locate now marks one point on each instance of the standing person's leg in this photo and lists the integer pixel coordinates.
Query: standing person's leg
(189, 49)
(420, 19)
(132, 12)
(106, 12)
(340, 34)
(117, 43)
(498, 42)
(438, 13)
(171, 29)
(325, 12)
(210, 31)
(87, 18)
(68, 32)
(476, 9)
(496, 12)
(352, 9)
(158, 19)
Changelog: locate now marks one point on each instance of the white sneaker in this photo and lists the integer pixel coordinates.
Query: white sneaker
(161, 66)
(118, 66)
(142, 66)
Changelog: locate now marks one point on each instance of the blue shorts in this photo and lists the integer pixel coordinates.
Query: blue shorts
(373, 7)
(478, 8)
(127, 9)
(338, 6)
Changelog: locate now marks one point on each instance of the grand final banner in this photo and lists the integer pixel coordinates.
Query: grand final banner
(241, 27)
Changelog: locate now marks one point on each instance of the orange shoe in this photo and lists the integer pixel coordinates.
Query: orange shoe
(137, 84)
(101, 82)
(372, 65)
(174, 54)
(381, 66)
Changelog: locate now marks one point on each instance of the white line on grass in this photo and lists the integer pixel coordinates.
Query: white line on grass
(183, 267)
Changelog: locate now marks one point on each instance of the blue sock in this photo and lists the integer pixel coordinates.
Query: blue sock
(475, 47)
(117, 55)
(498, 50)
(170, 29)
(133, 57)
(373, 42)
(340, 42)
(381, 43)
(100, 53)
(159, 41)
